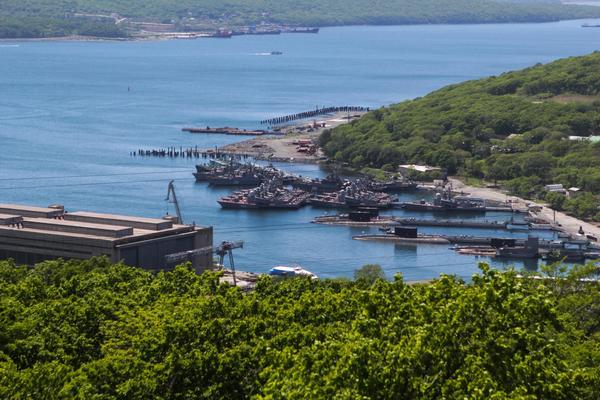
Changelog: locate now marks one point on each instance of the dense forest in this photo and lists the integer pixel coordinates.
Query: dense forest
(512, 128)
(91, 330)
(41, 18)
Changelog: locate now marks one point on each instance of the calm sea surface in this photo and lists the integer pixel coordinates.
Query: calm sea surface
(68, 122)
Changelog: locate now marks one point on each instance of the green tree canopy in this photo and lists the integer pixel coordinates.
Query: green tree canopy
(89, 329)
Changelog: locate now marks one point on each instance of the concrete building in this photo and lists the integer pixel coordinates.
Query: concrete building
(33, 234)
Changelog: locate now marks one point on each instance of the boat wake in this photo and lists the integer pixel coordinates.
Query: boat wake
(10, 45)
(272, 53)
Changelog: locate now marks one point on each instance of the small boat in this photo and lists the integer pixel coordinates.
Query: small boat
(276, 53)
(291, 272)
(543, 227)
(302, 30)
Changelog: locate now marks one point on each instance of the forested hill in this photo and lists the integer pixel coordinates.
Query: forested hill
(91, 330)
(40, 18)
(514, 127)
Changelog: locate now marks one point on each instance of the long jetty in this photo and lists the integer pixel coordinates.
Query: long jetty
(229, 131)
(311, 114)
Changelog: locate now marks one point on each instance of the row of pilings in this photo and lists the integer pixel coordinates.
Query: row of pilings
(310, 114)
(186, 152)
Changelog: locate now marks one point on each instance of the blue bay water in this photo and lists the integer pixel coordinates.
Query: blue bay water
(71, 112)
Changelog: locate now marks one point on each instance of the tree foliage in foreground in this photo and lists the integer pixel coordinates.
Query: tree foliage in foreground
(513, 128)
(92, 330)
(35, 18)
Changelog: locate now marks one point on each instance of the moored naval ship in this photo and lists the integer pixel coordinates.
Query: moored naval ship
(242, 178)
(445, 202)
(352, 195)
(269, 195)
(237, 200)
(406, 235)
(272, 194)
(364, 198)
(329, 200)
(203, 171)
(392, 186)
(330, 183)
(238, 174)
(388, 186)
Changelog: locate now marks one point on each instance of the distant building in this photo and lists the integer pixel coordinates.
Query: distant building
(419, 168)
(406, 170)
(557, 188)
(30, 235)
(593, 139)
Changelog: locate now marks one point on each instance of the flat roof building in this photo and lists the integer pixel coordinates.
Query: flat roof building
(33, 234)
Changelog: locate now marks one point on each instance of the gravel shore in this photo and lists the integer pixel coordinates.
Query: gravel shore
(283, 148)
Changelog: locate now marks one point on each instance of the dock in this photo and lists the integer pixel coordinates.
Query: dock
(441, 209)
(387, 221)
(229, 131)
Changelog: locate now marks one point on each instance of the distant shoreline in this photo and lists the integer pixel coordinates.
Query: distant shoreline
(158, 37)
(71, 38)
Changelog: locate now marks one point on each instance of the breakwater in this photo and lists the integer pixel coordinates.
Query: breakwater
(311, 114)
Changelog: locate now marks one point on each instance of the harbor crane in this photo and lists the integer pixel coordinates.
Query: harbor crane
(225, 248)
(172, 197)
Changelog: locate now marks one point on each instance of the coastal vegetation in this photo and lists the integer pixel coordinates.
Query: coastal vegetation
(53, 26)
(89, 329)
(43, 18)
(524, 129)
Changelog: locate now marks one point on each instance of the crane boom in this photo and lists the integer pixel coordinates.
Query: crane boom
(171, 192)
(223, 249)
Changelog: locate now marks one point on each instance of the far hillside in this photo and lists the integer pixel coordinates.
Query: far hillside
(526, 129)
(45, 18)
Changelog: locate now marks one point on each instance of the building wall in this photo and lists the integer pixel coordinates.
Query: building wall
(151, 254)
(148, 254)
